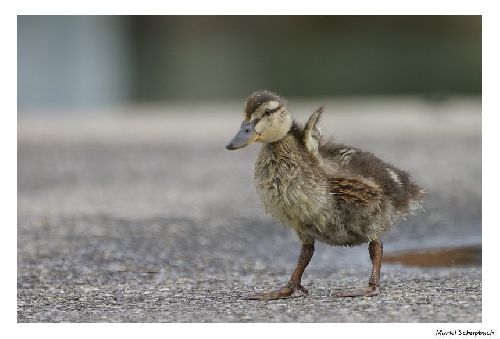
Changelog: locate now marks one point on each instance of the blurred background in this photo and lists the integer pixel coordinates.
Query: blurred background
(131, 209)
(76, 61)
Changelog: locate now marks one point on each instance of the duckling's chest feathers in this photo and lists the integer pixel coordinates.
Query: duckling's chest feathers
(291, 186)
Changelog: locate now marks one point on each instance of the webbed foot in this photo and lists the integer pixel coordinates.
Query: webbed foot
(370, 291)
(285, 292)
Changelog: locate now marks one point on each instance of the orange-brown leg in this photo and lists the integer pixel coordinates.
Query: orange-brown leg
(376, 249)
(293, 287)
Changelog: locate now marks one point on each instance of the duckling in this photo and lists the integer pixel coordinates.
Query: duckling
(333, 193)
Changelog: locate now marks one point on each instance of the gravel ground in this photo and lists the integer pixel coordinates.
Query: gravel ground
(147, 218)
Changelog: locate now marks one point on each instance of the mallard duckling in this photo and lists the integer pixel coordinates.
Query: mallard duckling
(336, 194)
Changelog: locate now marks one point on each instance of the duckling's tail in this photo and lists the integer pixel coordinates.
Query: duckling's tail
(417, 196)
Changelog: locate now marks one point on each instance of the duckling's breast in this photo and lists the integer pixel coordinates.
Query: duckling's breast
(292, 188)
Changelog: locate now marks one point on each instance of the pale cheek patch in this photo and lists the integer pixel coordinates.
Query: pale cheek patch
(268, 133)
(272, 129)
(260, 126)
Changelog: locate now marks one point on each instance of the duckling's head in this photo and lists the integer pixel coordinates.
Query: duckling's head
(266, 119)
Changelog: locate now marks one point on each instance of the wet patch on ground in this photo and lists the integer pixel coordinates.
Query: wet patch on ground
(437, 257)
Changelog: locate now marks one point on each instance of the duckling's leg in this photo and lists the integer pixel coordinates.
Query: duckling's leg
(376, 249)
(293, 286)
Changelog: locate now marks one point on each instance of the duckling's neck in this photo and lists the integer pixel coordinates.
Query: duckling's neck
(289, 147)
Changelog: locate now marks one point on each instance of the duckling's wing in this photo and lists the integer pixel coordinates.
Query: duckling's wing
(312, 134)
(395, 184)
(352, 192)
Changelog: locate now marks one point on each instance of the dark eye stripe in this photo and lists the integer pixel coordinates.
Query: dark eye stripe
(271, 111)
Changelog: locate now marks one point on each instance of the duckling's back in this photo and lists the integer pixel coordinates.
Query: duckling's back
(396, 185)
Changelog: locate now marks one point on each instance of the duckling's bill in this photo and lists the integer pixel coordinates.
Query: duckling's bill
(245, 136)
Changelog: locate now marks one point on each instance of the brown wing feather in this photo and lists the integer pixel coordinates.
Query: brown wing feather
(355, 191)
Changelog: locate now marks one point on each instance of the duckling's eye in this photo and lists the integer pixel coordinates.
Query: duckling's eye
(268, 111)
